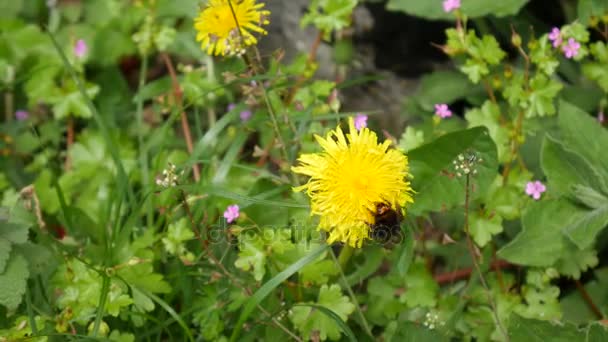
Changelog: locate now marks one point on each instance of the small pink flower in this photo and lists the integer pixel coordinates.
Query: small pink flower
(556, 37)
(535, 189)
(245, 115)
(21, 115)
(601, 118)
(231, 213)
(450, 5)
(80, 48)
(360, 121)
(442, 111)
(231, 107)
(571, 48)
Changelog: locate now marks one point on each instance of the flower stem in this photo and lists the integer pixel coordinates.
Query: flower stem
(471, 248)
(345, 254)
(177, 92)
(69, 142)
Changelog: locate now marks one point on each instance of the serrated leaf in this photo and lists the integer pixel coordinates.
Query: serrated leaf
(383, 302)
(540, 243)
(411, 139)
(421, 289)
(38, 257)
(13, 282)
(482, 228)
(329, 15)
(251, 256)
(309, 321)
(574, 261)
(544, 92)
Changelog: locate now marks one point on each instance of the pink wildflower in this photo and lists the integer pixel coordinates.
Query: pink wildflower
(450, 5)
(80, 48)
(442, 111)
(360, 121)
(535, 189)
(245, 115)
(571, 48)
(231, 213)
(556, 37)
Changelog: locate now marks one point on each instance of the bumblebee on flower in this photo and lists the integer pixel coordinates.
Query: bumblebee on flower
(350, 178)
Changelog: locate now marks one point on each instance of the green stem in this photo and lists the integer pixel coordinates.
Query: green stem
(364, 323)
(105, 288)
(30, 312)
(345, 254)
(143, 153)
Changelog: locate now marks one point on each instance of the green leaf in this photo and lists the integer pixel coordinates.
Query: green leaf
(270, 285)
(411, 139)
(442, 87)
(574, 261)
(14, 232)
(585, 227)
(475, 70)
(437, 186)
(252, 256)
(541, 243)
(382, 300)
(412, 332)
(5, 251)
(588, 8)
(177, 234)
(565, 169)
(407, 253)
(433, 9)
(529, 330)
(598, 73)
(489, 116)
(309, 321)
(13, 282)
(582, 135)
(329, 15)
(544, 91)
(420, 289)
(482, 228)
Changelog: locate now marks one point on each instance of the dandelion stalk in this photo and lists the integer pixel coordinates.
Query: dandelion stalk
(345, 254)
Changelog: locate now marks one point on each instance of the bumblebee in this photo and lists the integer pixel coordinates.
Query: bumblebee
(386, 227)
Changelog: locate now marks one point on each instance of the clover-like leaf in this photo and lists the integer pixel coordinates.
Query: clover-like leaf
(309, 320)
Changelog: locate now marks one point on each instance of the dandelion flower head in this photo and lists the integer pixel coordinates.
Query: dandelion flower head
(218, 31)
(349, 177)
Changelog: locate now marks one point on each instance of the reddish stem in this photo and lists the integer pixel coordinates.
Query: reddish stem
(177, 92)
(69, 143)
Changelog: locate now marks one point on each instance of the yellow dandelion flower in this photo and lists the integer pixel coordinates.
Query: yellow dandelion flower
(218, 31)
(349, 178)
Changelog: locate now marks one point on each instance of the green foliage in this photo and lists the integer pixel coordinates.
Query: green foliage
(309, 320)
(329, 15)
(115, 187)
